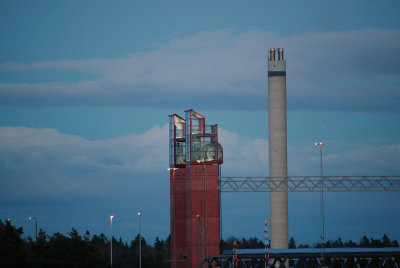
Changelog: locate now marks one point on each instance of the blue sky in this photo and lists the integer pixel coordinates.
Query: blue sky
(86, 89)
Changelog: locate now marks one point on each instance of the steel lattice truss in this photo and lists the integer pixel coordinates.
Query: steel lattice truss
(338, 257)
(310, 184)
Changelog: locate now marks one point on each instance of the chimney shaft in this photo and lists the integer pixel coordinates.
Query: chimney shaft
(278, 149)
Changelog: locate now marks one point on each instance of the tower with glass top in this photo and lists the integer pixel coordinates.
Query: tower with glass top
(195, 159)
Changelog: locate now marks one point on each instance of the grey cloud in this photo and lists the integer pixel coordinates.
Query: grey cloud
(243, 155)
(348, 71)
(46, 163)
(382, 160)
(356, 71)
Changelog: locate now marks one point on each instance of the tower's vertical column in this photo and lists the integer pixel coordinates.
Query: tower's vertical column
(203, 157)
(178, 217)
(178, 182)
(278, 148)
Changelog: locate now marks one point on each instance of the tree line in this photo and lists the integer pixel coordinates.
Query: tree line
(364, 242)
(76, 250)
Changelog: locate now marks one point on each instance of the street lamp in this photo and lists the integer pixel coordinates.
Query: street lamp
(34, 218)
(320, 144)
(111, 218)
(140, 239)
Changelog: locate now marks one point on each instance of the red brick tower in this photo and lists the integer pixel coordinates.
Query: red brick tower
(195, 156)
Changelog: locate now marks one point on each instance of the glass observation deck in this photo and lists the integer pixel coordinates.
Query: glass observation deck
(191, 141)
(177, 155)
(201, 140)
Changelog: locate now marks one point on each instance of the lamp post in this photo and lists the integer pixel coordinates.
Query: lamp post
(140, 239)
(34, 218)
(111, 218)
(320, 144)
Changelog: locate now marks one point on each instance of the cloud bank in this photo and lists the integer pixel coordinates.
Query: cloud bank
(347, 71)
(44, 163)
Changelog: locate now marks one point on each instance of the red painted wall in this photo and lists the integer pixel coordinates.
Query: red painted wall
(194, 211)
(202, 213)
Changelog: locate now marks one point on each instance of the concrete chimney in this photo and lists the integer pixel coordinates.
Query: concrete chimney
(278, 148)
